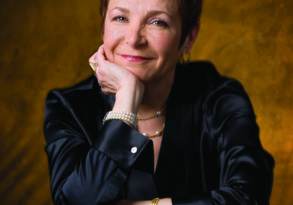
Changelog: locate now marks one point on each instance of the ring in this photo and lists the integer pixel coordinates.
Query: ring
(93, 66)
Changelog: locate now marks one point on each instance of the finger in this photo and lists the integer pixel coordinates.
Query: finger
(107, 90)
(105, 85)
(111, 88)
(101, 55)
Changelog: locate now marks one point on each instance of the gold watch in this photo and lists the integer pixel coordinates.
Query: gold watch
(155, 201)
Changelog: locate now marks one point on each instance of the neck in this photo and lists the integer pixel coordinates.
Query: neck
(156, 94)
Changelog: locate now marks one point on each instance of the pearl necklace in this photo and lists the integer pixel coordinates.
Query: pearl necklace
(158, 133)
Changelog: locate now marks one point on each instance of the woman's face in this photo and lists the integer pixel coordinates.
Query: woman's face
(143, 36)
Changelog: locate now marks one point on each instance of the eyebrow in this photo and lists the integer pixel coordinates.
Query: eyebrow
(121, 9)
(152, 12)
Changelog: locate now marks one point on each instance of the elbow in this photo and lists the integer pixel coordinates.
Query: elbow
(76, 191)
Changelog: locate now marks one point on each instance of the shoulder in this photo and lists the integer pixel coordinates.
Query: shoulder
(73, 91)
(227, 115)
(79, 107)
(226, 109)
(85, 93)
(220, 95)
(227, 98)
(201, 78)
(202, 75)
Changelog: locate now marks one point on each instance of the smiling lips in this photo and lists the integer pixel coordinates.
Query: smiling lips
(135, 59)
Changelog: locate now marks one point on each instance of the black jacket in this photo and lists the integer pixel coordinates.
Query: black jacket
(210, 152)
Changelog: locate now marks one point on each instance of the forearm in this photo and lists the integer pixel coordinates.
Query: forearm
(129, 97)
(163, 201)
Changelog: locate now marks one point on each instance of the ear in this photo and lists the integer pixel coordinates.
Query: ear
(190, 39)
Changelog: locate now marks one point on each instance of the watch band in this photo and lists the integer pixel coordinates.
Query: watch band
(155, 201)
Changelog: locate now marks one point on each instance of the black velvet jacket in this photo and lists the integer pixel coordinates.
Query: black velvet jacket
(210, 152)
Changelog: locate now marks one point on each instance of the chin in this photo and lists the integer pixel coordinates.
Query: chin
(138, 72)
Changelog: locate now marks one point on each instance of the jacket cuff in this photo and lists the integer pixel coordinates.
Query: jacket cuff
(121, 142)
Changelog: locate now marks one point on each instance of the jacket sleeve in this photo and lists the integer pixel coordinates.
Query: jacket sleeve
(244, 168)
(82, 172)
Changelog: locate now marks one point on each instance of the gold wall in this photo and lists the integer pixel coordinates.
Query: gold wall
(46, 44)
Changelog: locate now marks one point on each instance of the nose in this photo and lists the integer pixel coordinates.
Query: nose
(136, 35)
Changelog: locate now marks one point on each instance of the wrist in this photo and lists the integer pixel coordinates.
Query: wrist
(129, 96)
(128, 117)
(164, 201)
(123, 103)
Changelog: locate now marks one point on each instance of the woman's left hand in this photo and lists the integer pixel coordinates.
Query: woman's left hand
(163, 201)
(126, 202)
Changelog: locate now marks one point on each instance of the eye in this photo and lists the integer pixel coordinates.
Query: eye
(159, 22)
(120, 19)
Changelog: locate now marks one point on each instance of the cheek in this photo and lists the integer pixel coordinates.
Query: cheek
(111, 39)
(165, 44)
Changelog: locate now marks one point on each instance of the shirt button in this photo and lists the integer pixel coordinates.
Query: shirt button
(133, 150)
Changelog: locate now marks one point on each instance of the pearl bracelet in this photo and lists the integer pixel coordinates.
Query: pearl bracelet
(127, 117)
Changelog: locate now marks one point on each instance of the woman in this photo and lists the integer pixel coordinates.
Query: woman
(146, 129)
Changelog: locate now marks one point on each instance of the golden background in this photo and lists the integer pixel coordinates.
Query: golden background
(46, 44)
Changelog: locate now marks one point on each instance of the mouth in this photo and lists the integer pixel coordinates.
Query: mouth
(135, 58)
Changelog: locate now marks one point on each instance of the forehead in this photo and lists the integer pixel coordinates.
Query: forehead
(170, 6)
